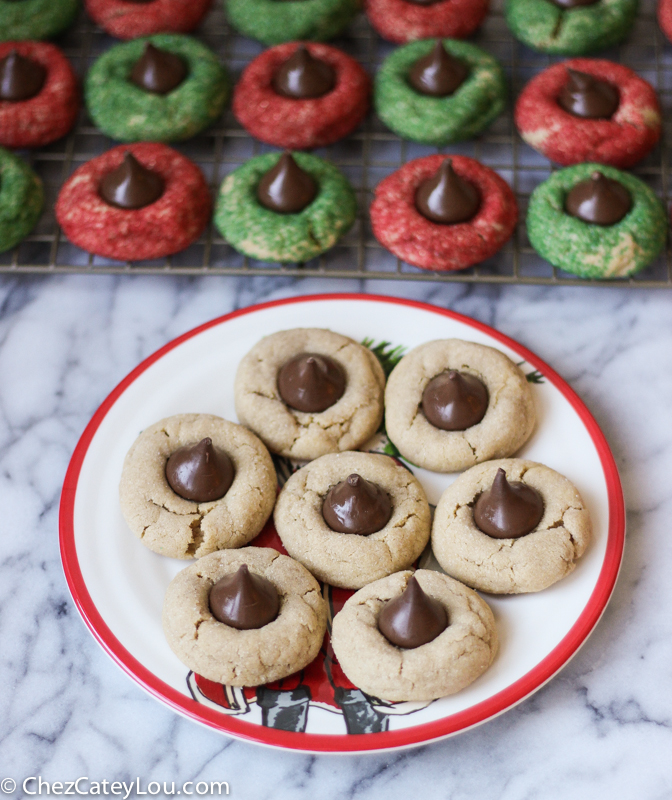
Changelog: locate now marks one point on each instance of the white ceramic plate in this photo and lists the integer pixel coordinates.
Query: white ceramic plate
(118, 584)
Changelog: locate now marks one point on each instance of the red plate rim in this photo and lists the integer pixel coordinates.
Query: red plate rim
(333, 743)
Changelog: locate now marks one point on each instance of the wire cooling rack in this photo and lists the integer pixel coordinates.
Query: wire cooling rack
(366, 157)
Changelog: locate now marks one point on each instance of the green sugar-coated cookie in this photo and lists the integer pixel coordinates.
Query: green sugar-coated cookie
(21, 200)
(440, 120)
(35, 19)
(130, 114)
(269, 236)
(273, 22)
(542, 25)
(595, 251)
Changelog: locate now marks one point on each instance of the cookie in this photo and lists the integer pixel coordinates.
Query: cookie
(51, 112)
(126, 20)
(346, 425)
(21, 200)
(622, 139)
(273, 22)
(509, 416)
(400, 21)
(301, 123)
(235, 657)
(589, 250)
(444, 666)
(544, 26)
(350, 560)
(166, 226)
(465, 113)
(35, 19)
(172, 526)
(129, 113)
(402, 229)
(511, 566)
(267, 235)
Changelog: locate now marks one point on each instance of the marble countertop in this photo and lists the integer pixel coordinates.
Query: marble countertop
(599, 729)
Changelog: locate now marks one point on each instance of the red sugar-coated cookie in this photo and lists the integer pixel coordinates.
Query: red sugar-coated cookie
(127, 20)
(167, 226)
(665, 17)
(52, 112)
(403, 230)
(400, 21)
(566, 139)
(301, 124)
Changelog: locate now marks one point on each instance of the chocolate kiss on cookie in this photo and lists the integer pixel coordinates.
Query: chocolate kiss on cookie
(438, 74)
(243, 600)
(447, 198)
(599, 200)
(286, 189)
(200, 472)
(508, 510)
(356, 505)
(20, 78)
(303, 77)
(454, 401)
(311, 382)
(158, 71)
(589, 97)
(412, 619)
(131, 185)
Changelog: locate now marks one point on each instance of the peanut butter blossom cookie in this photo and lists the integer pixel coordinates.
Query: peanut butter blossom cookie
(439, 92)
(163, 88)
(596, 222)
(277, 21)
(589, 110)
(21, 200)
(570, 27)
(285, 207)
(402, 21)
(35, 19)
(129, 19)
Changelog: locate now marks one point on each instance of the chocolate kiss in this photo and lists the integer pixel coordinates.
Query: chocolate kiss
(567, 5)
(454, 401)
(438, 74)
(589, 97)
(20, 78)
(412, 619)
(243, 600)
(599, 200)
(508, 510)
(303, 76)
(131, 185)
(311, 382)
(158, 71)
(200, 472)
(356, 505)
(447, 198)
(286, 189)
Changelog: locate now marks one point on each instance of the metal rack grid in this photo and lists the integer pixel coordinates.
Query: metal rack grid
(366, 157)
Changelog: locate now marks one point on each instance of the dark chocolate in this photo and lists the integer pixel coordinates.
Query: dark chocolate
(20, 78)
(311, 382)
(244, 600)
(131, 185)
(438, 74)
(568, 5)
(412, 619)
(356, 505)
(454, 401)
(303, 76)
(447, 198)
(200, 472)
(286, 189)
(599, 200)
(508, 510)
(589, 97)
(158, 71)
